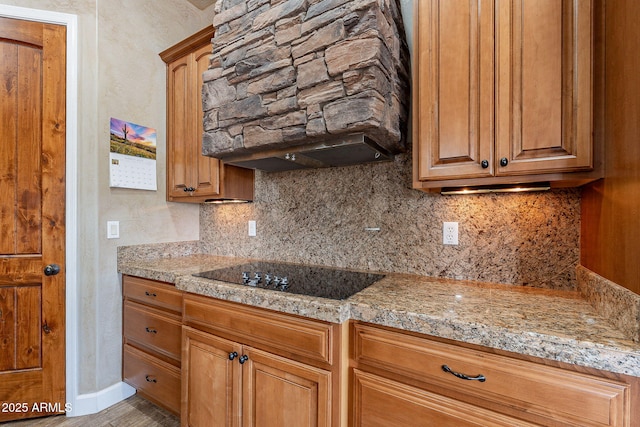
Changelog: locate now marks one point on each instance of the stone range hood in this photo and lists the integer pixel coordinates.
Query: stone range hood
(306, 83)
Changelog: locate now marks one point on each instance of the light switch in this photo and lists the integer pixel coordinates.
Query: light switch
(113, 229)
(252, 228)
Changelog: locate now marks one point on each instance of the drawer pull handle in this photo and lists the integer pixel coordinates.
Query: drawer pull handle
(151, 330)
(150, 379)
(243, 359)
(480, 378)
(150, 294)
(233, 355)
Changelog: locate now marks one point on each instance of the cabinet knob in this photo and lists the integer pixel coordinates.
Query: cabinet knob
(150, 379)
(504, 162)
(233, 355)
(151, 330)
(484, 164)
(189, 189)
(243, 359)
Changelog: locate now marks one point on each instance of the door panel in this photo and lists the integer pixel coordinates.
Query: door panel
(187, 167)
(282, 392)
(20, 328)
(208, 177)
(456, 57)
(179, 125)
(541, 74)
(544, 115)
(32, 201)
(211, 380)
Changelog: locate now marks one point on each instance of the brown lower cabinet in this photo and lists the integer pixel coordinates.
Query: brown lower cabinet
(254, 367)
(152, 326)
(219, 363)
(400, 379)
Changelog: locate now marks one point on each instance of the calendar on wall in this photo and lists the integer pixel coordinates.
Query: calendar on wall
(132, 156)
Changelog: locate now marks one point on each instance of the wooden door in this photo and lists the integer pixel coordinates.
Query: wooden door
(211, 380)
(32, 217)
(455, 88)
(544, 86)
(279, 392)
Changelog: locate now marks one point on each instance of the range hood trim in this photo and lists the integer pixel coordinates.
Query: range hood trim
(301, 156)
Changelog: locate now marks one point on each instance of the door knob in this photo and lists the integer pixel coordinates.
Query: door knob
(51, 270)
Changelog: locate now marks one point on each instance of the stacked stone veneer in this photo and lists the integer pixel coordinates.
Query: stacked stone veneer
(287, 72)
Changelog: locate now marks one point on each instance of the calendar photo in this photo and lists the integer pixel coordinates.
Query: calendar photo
(132, 156)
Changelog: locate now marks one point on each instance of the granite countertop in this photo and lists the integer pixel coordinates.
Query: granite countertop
(556, 325)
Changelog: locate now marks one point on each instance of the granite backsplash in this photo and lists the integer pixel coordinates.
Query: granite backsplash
(367, 217)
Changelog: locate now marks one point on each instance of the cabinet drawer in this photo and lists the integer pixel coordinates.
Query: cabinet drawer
(157, 380)
(548, 394)
(381, 402)
(279, 333)
(153, 329)
(151, 292)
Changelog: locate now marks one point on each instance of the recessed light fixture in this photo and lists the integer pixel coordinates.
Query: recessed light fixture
(517, 188)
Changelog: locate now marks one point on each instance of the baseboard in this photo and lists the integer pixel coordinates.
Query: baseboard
(91, 403)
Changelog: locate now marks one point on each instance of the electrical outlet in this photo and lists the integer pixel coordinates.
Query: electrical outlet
(449, 233)
(252, 228)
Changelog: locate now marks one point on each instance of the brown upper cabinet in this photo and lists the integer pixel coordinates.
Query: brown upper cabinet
(192, 177)
(504, 92)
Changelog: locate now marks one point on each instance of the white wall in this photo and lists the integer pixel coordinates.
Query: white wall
(120, 75)
(132, 82)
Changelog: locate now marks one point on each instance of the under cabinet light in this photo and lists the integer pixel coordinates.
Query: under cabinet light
(225, 201)
(518, 188)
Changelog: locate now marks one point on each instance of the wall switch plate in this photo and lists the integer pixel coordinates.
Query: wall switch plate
(252, 229)
(113, 229)
(449, 233)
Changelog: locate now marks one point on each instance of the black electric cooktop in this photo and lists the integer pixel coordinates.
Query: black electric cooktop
(322, 282)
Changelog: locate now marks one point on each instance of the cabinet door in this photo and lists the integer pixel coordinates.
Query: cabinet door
(544, 81)
(207, 181)
(180, 138)
(211, 381)
(281, 392)
(455, 88)
(380, 402)
(187, 167)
